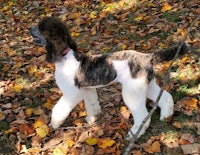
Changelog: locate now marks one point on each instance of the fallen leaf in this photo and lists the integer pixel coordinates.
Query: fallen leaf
(93, 14)
(17, 87)
(104, 143)
(166, 7)
(188, 136)
(25, 129)
(49, 104)
(156, 147)
(191, 148)
(75, 34)
(29, 112)
(42, 131)
(183, 141)
(177, 124)
(91, 141)
(125, 112)
(2, 116)
(32, 70)
(152, 148)
(198, 128)
(58, 151)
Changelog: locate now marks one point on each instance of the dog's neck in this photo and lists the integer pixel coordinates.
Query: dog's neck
(66, 51)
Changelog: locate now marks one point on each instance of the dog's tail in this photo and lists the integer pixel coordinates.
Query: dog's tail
(168, 54)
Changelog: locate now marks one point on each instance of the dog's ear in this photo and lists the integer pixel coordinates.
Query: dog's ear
(50, 52)
(72, 44)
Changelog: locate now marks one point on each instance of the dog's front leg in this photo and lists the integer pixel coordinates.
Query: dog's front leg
(91, 103)
(61, 110)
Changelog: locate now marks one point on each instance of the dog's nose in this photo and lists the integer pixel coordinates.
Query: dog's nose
(33, 28)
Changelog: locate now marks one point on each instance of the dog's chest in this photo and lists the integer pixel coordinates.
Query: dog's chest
(66, 69)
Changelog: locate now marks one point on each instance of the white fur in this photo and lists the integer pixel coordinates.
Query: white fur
(134, 92)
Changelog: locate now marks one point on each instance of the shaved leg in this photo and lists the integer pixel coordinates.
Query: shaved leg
(91, 103)
(134, 96)
(165, 104)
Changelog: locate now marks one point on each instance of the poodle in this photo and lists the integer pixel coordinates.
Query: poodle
(78, 75)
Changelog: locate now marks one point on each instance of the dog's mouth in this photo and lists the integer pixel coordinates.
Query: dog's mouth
(37, 36)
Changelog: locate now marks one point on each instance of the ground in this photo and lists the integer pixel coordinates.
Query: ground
(28, 90)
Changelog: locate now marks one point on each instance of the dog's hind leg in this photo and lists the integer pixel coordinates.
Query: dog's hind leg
(62, 109)
(91, 103)
(134, 96)
(166, 103)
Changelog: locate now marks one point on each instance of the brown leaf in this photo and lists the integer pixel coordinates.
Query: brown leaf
(183, 141)
(198, 128)
(188, 136)
(177, 124)
(152, 148)
(25, 129)
(191, 148)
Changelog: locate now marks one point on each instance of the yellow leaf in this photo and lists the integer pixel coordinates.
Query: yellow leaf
(124, 46)
(10, 3)
(32, 69)
(11, 130)
(182, 31)
(123, 108)
(10, 52)
(104, 143)
(75, 34)
(166, 7)
(42, 131)
(182, 76)
(93, 14)
(29, 112)
(38, 123)
(70, 143)
(17, 87)
(58, 151)
(139, 17)
(49, 104)
(91, 141)
(82, 113)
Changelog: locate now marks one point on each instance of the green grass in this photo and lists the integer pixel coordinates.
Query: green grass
(172, 16)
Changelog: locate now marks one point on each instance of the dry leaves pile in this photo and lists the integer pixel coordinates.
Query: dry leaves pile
(28, 90)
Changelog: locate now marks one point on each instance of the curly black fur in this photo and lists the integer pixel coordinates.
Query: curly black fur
(57, 38)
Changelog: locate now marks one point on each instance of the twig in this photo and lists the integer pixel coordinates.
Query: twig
(166, 79)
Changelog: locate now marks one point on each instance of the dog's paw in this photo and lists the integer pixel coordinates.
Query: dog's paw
(167, 106)
(90, 119)
(55, 124)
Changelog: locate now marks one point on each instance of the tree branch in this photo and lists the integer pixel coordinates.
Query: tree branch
(166, 79)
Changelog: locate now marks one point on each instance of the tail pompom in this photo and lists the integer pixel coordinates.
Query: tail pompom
(168, 54)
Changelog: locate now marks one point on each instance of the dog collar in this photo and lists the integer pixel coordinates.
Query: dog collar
(66, 51)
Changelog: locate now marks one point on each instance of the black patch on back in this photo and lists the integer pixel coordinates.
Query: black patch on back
(134, 68)
(95, 71)
(150, 73)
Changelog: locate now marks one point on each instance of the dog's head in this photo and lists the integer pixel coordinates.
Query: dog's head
(54, 34)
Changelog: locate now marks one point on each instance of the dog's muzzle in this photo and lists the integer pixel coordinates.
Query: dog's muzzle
(37, 36)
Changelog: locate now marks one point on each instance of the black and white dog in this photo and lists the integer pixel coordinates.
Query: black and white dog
(78, 75)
